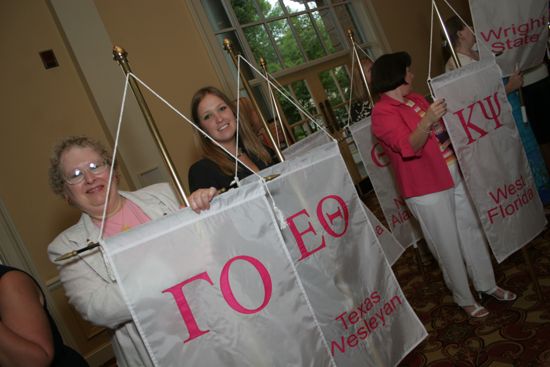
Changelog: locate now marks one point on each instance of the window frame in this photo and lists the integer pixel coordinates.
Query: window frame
(365, 17)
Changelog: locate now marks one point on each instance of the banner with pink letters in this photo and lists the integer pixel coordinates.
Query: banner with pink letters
(217, 289)
(391, 247)
(491, 156)
(294, 278)
(516, 31)
(356, 298)
(400, 220)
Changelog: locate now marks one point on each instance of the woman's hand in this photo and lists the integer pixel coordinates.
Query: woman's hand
(514, 82)
(435, 113)
(200, 199)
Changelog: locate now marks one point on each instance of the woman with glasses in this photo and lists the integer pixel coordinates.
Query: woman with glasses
(79, 172)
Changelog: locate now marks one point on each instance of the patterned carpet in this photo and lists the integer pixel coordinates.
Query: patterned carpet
(514, 334)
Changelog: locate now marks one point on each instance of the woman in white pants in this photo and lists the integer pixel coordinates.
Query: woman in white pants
(428, 177)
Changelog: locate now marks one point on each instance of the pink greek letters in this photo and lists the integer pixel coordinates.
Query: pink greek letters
(329, 222)
(183, 306)
(299, 235)
(490, 109)
(185, 310)
(341, 212)
(379, 156)
(227, 292)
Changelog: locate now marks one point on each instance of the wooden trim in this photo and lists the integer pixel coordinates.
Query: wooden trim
(218, 57)
(100, 356)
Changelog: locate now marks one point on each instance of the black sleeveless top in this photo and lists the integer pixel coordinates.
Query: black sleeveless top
(64, 356)
(206, 173)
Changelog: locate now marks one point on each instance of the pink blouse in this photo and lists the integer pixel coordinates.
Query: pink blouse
(130, 215)
(416, 173)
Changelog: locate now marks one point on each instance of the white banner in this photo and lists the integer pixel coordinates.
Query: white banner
(218, 289)
(390, 246)
(388, 243)
(514, 30)
(358, 302)
(400, 220)
(496, 171)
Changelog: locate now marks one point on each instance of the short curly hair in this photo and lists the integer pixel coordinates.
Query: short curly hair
(57, 181)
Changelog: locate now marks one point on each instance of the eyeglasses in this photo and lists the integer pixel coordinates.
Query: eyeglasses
(77, 176)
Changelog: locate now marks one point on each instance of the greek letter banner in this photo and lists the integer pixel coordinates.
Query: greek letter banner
(390, 246)
(388, 243)
(516, 31)
(491, 156)
(363, 313)
(217, 289)
(400, 220)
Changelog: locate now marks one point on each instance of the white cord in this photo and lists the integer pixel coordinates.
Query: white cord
(458, 15)
(169, 105)
(112, 169)
(431, 41)
(238, 117)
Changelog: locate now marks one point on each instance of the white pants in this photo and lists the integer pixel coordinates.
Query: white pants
(454, 235)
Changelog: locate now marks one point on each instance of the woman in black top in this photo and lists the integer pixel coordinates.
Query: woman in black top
(28, 335)
(214, 112)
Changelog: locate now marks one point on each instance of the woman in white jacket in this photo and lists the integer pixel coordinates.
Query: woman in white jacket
(79, 171)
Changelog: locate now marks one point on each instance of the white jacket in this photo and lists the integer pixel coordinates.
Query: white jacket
(88, 285)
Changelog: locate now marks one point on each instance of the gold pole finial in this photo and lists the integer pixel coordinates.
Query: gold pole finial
(119, 53)
(350, 34)
(227, 45)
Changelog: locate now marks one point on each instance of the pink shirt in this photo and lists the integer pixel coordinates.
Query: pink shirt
(130, 215)
(416, 173)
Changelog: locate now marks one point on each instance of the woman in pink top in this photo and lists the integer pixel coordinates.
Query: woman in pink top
(424, 165)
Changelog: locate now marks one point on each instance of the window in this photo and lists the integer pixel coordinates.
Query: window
(286, 33)
(304, 43)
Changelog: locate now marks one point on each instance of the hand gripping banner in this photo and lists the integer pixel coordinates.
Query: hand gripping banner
(400, 220)
(362, 311)
(217, 289)
(390, 246)
(492, 159)
(516, 31)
